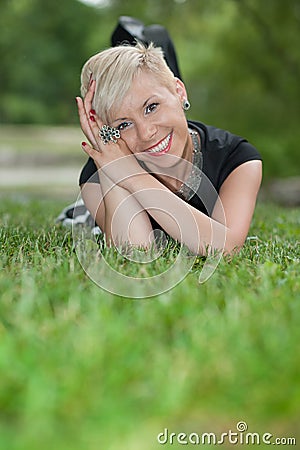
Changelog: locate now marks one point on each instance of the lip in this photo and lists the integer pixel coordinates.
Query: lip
(148, 151)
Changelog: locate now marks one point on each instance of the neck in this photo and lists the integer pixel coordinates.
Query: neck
(182, 170)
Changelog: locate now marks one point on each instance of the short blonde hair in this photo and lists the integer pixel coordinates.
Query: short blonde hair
(114, 70)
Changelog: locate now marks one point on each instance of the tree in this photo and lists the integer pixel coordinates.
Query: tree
(43, 46)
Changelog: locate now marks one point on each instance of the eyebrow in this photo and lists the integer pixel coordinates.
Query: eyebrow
(148, 99)
(143, 106)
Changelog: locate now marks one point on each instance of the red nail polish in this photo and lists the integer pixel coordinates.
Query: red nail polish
(93, 111)
(83, 144)
(92, 118)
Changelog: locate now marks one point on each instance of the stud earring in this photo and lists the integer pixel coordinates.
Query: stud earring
(186, 104)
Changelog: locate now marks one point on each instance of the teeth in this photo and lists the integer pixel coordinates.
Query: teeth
(162, 146)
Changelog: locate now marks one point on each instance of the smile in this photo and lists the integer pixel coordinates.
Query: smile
(162, 147)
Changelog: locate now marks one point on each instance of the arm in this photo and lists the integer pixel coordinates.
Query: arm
(237, 198)
(185, 223)
(124, 220)
(180, 220)
(238, 195)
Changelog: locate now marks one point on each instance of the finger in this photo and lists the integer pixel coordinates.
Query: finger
(85, 122)
(96, 124)
(90, 151)
(94, 121)
(88, 99)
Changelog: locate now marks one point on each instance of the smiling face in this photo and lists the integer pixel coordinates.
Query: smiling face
(151, 120)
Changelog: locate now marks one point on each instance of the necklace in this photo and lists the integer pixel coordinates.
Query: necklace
(189, 188)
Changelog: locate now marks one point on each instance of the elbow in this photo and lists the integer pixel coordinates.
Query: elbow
(233, 244)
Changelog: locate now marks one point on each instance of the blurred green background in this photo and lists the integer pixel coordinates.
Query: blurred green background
(240, 60)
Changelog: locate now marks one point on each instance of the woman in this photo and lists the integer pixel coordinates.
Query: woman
(149, 158)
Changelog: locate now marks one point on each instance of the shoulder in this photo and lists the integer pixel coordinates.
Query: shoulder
(222, 151)
(222, 144)
(214, 138)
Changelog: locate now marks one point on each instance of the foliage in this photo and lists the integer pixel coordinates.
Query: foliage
(43, 46)
(82, 369)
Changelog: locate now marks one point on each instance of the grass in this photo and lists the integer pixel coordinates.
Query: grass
(82, 369)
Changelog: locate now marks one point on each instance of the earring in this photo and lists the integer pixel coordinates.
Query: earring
(186, 104)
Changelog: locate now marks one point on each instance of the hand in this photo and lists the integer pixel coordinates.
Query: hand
(86, 117)
(115, 159)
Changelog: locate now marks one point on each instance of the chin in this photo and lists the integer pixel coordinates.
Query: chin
(155, 164)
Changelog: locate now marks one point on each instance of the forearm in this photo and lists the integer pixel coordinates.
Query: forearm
(181, 221)
(125, 219)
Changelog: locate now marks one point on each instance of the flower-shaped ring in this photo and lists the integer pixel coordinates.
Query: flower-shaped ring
(108, 133)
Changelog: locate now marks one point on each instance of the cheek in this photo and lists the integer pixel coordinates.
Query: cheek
(130, 140)
(178, 115)
(177, 104)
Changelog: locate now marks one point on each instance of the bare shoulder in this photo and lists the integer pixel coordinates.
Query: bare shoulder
(247, 176)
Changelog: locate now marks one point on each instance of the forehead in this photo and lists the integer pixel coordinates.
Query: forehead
(145, 85)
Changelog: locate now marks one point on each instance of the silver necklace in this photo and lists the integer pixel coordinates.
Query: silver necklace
(189, 188)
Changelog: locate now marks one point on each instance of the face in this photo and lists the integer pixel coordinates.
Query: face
(152, 122)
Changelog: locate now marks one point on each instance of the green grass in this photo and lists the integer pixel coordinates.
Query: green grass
(81, 369)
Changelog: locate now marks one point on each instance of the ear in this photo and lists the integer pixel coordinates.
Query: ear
(180, 89)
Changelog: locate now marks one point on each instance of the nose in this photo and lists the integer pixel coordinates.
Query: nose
(146, 130)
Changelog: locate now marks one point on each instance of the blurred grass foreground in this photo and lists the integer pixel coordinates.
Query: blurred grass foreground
(83, 369)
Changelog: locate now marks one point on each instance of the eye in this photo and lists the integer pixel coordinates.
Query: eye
(151, 108)
(123, 126)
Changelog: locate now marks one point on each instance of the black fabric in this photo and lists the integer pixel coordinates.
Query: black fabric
(129, 29)
(222, 153)
(89, 173)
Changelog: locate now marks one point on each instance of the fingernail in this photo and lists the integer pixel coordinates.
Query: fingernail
(83, 144)
(93, 111)
(92, 118)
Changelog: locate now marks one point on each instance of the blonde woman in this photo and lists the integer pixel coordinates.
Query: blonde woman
(149, 167)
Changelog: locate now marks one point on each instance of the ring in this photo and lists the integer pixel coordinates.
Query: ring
(108, 133)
